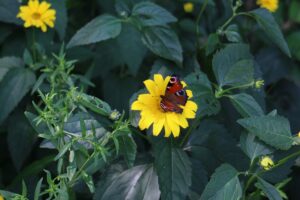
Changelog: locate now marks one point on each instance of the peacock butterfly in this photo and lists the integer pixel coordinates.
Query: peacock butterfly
(175, 96)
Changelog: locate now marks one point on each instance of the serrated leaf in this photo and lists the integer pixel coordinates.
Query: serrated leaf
(202, 93)
(252, 147)
(16, 83)
(173, 168)
(101, 28)
(139, 182)
(163, 42)
(224, 184)
(268, 24)
(151, 14)
(270, 191)
(273, 130)
(246, 105)
(212, 43)
(233, 65)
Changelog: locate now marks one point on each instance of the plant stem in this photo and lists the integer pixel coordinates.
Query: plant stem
(74, 179)
(198, 21)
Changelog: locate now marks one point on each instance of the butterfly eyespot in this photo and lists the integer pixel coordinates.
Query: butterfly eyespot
(173, 80)
(180, 93)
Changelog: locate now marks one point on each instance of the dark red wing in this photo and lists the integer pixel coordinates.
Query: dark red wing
(175, 96)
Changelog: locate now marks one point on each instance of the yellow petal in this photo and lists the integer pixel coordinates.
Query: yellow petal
(167, 130)
(173, 125)
(137, 106)
(159, 81)
(44, 27)
(145, 122)
(183, 122)
(158, 126)
(189, 93)
(189, 114)
(33, 5)
(183, 84)
(191, 106)
(151, 86)
(44, 6)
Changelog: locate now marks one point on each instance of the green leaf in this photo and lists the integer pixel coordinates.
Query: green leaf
(202, 93)
(224, 184)
(252, 147)
(63, 151)
(270, 191)
(93, 103)
(99, 29)
(232, 33)
(7, 63)
(293, 40)
(93, 128)
(8, 11)
(132, 50)
(212, 43)
(139, 182)
(246, 105)
(61, 16)
(21, 138)
(273, 130)
(163, 42)
(128, 149)
(37, 190)
(151, 14)
(268, 24)
(294, 13)
(173, 168)
(233, 65)
(16, 83)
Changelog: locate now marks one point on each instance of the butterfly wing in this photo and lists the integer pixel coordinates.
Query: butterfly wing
(175, 96)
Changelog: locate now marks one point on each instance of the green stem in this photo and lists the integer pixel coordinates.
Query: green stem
(279, 163)
(198, 21)
(77, 174)
(33, 46)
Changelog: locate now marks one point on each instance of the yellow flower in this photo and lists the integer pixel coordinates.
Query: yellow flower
(266, 162)
(188, 7)
(37, 14)
(1, 197)
(271, 5)
(152, 113)
(259, 83)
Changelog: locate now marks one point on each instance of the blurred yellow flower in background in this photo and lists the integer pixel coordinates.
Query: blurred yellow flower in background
(152, 113)
(188, 7)
(266, 162)
(271, 5)
(1, 197)
(37, 14)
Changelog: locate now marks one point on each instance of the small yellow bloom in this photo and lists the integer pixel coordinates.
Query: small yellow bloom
(37, 14)
(1, 197)
(188, 7)
(259, 83)
(266, 162)
(298, 134)
(271, 5)
(152, 113)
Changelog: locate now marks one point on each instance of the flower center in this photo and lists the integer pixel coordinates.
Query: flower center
(36, 16)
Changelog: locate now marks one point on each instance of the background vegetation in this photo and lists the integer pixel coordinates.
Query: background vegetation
(67, 130)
